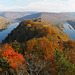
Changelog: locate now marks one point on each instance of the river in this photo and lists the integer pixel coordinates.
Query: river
(4, 33)
(69, 30)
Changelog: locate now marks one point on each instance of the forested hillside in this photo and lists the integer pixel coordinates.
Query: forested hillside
(4, 23)
(28, 29)
(36, 48)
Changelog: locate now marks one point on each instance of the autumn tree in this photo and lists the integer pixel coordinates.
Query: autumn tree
(14, 58)
(28, 25)
(42, 50)
(68, 45)
(42, 46)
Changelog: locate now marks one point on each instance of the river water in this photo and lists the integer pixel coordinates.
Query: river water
(69, 30)
(4, 33)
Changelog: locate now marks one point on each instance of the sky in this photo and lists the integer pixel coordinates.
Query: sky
(38, 5)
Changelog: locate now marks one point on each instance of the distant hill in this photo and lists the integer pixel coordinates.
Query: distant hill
(3, 20)
(71, 13)
(13, 15)
(49, 17)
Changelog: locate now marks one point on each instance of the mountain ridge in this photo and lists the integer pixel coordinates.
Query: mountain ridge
(49, 17)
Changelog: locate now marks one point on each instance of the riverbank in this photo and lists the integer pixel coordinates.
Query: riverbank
(5, 26)
(4, 33)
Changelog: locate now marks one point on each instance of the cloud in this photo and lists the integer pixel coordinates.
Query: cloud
(45, 6)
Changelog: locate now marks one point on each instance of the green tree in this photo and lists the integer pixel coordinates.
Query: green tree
(64, 66)
(4, 64)
(18, 47)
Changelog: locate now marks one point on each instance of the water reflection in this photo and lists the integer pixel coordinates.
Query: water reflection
(69, 30)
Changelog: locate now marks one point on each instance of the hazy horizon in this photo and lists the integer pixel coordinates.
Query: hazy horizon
(36, 12)
(37, 6)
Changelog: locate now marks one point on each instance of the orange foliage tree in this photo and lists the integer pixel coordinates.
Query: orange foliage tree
(13, 57)
(42, 46)
(42, 49)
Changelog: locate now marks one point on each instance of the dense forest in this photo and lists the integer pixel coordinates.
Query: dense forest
(37, 48)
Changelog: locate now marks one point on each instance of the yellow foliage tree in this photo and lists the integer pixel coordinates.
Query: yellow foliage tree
(28, 25)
